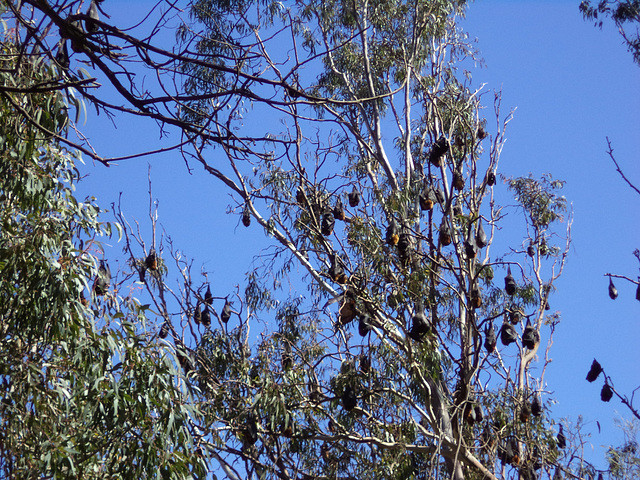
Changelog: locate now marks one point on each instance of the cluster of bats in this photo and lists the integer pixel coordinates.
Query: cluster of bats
(398, 237)
(606, 394)
(508, 335)
(202, 312)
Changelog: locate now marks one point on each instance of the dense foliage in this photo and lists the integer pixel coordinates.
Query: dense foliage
(87, 391)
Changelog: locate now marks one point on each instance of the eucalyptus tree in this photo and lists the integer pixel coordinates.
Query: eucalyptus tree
(383, 186)
(87, 391)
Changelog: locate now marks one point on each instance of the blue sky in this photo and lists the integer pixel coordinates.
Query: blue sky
(573, 85)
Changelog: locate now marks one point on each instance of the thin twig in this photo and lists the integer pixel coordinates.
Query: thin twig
(610, 152)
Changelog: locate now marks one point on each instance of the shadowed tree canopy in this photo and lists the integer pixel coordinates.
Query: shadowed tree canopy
(352, 136)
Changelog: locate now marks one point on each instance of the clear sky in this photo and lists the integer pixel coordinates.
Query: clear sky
(573, 85)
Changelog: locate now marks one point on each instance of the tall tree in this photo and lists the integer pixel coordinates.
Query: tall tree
(382, 187)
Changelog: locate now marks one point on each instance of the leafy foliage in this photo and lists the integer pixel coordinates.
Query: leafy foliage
(625, 15)
(86, 390)
(624, 461)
